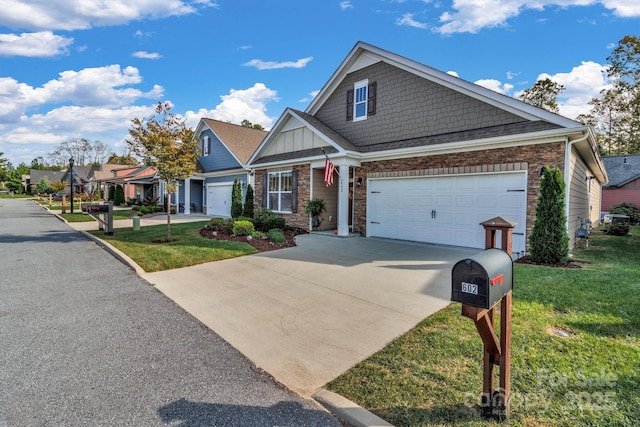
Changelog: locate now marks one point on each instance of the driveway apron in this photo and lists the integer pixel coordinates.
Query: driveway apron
(85, 342)
(307, 314)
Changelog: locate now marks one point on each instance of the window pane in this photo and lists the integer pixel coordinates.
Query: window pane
(273, 182)
(285, 200)
(361, 94)
(285, 181)
(361, 109)
(273, 202)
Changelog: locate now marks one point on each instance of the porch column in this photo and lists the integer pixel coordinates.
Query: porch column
(343, 201)
(187, 196)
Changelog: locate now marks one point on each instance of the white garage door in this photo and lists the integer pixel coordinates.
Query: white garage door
(447, 209)
(219, 199)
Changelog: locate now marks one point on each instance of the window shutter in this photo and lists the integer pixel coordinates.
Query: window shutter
(265, 190)
(294, 191)
(371, 98)
(208, 145)
(350, 104)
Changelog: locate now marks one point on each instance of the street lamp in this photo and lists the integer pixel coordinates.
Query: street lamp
(71, 182)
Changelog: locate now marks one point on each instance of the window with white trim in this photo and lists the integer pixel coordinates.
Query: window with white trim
(280, 191)
(205, 145)
(361, 100)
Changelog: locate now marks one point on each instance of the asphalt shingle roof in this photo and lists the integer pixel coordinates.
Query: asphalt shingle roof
(622, 169)
(241, 140)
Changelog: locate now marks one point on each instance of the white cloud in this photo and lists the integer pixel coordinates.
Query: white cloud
(312, 95)
(344, 5)
(42, 44)
(271, 65)
(83, 14)
(146, 55)
(470, 16)
(496, 86)
(583, 83)
(407, 20)
(453, 73)
(238, 105)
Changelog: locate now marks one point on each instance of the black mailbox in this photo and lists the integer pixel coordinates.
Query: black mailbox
(99, 208)
(482, 281)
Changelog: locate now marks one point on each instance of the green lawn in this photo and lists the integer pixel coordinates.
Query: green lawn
(575, 351)
(188, 247)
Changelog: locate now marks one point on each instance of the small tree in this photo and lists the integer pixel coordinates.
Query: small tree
(163, 140)
(249, 209)
(549, 240)
(236, 199)
(118, 195)
(112, 193)
(43, 186)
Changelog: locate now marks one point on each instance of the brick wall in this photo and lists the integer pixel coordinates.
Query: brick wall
(297, 219)
(531, 158)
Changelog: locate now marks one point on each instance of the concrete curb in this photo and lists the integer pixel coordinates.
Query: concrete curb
(120, 256)
(348, 411)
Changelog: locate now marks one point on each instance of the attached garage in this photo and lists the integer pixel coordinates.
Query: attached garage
(219, 199)
(447, 210)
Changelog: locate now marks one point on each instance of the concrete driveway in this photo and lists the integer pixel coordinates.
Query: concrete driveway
(307, 314)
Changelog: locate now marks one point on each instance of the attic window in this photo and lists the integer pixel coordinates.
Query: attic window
(361, 101)
(206, 141)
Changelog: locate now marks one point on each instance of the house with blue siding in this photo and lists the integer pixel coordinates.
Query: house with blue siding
(225, 149)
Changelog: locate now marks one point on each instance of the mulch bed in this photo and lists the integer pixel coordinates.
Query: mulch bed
(572, 263)
(262, 245)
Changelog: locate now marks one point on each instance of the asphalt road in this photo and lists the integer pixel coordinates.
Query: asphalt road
(84, 341)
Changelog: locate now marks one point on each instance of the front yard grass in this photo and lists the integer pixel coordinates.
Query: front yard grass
(187, 248)
(575, 351)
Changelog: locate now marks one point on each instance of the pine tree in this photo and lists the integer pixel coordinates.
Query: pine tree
(549, 240)
(236, 199)
(248, 210)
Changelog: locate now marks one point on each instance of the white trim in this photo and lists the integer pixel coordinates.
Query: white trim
(362, 84)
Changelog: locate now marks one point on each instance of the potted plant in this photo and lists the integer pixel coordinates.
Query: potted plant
(314, 208)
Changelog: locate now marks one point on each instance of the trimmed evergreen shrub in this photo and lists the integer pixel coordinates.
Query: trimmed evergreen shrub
(246, 218)
(236, 199)
(549, 240)
(248, 209)
(243, 228)
(276, 235)
(118, 196)
(112, 192)
(273, 221)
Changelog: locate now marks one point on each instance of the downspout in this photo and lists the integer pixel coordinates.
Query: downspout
(567, 171)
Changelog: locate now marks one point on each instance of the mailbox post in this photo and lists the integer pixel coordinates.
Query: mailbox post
(480, 283)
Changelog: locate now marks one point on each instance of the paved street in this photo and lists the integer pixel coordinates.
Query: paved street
(84, 341)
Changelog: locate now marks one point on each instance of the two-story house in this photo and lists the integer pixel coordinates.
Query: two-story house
(421, 155)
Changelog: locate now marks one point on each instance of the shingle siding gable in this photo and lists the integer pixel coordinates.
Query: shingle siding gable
(408, 106)
(219, 157)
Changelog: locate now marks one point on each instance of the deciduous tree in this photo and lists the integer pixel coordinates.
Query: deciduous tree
(163, 140)
(543, 94)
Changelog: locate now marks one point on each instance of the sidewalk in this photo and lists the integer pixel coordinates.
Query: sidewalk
(144, 221)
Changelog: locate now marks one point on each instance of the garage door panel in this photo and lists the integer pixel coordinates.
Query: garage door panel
(447, 210)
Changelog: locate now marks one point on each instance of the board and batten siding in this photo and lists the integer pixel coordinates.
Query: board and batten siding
(294, 138)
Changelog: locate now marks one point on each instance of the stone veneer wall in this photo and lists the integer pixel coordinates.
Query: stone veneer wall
(530, 157)
(296, 219)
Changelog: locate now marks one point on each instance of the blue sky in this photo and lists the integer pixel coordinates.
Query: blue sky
(85, 68)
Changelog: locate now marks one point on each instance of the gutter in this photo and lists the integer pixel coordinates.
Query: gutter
(567, 169)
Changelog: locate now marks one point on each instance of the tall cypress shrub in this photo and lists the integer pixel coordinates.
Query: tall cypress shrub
(236, 199)
(118, 196)
(549, 240)
(248, 210)
(112, 192)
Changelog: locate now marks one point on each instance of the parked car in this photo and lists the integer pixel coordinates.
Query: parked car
(57, 197)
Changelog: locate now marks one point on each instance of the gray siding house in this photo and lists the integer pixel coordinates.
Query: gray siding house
(225, 149)
(421, 155)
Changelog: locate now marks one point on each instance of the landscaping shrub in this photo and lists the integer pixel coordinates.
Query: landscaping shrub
(276, 235)
(135, 208)
(145, 210)
(549, 241)
(245, 218)
(248, 209)
(618, 229)
(258, 235)
(243, 228)
(236, 199)
(118, 196)
(157, 208)
(627, 209)
(112, 192)
(273, 221)
(221, 225)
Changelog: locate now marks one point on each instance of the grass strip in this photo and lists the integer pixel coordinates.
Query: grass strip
(186, 248)
(575, 351)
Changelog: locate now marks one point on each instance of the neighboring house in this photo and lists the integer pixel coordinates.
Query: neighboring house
(624, 181)
(421, 155)
(81, 178)
(225, 150)
(138, 182)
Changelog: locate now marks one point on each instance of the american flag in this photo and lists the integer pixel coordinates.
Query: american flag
(328, 172)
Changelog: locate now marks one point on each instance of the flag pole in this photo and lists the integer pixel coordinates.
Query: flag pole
(327, 157)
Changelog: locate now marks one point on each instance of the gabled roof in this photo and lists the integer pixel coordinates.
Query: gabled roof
(364, 54)
(241, 141)
(622, 169)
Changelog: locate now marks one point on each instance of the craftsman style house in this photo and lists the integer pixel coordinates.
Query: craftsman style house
(421, 155)
(225, 149)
